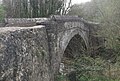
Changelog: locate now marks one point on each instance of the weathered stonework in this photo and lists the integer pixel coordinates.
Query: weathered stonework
(24, 54)
(34, 53)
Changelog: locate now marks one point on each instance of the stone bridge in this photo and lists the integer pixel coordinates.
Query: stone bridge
(32, 49)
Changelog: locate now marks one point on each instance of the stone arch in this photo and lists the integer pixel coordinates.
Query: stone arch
(75, 47)
(64, 40)
(65, 37)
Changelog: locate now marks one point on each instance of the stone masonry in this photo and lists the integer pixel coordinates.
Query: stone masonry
(34, 53)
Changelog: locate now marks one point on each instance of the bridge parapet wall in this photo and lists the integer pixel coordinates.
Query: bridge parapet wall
(23, 22)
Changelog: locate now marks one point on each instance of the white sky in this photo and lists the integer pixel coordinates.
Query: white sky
(79, 1)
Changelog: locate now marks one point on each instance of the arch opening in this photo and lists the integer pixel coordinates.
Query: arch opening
(75, 48)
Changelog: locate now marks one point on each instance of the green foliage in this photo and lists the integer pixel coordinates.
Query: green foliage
(89, 69)
(108, 14)
(61, 77)
(109, 19)
(106, 65)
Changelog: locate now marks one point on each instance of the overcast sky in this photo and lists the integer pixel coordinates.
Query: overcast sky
(79, 1)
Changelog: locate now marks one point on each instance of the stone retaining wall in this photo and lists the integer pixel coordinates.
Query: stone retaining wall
(24, 54)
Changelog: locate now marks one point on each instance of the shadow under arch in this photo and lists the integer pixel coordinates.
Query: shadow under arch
(75, 47)
(65, 39)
